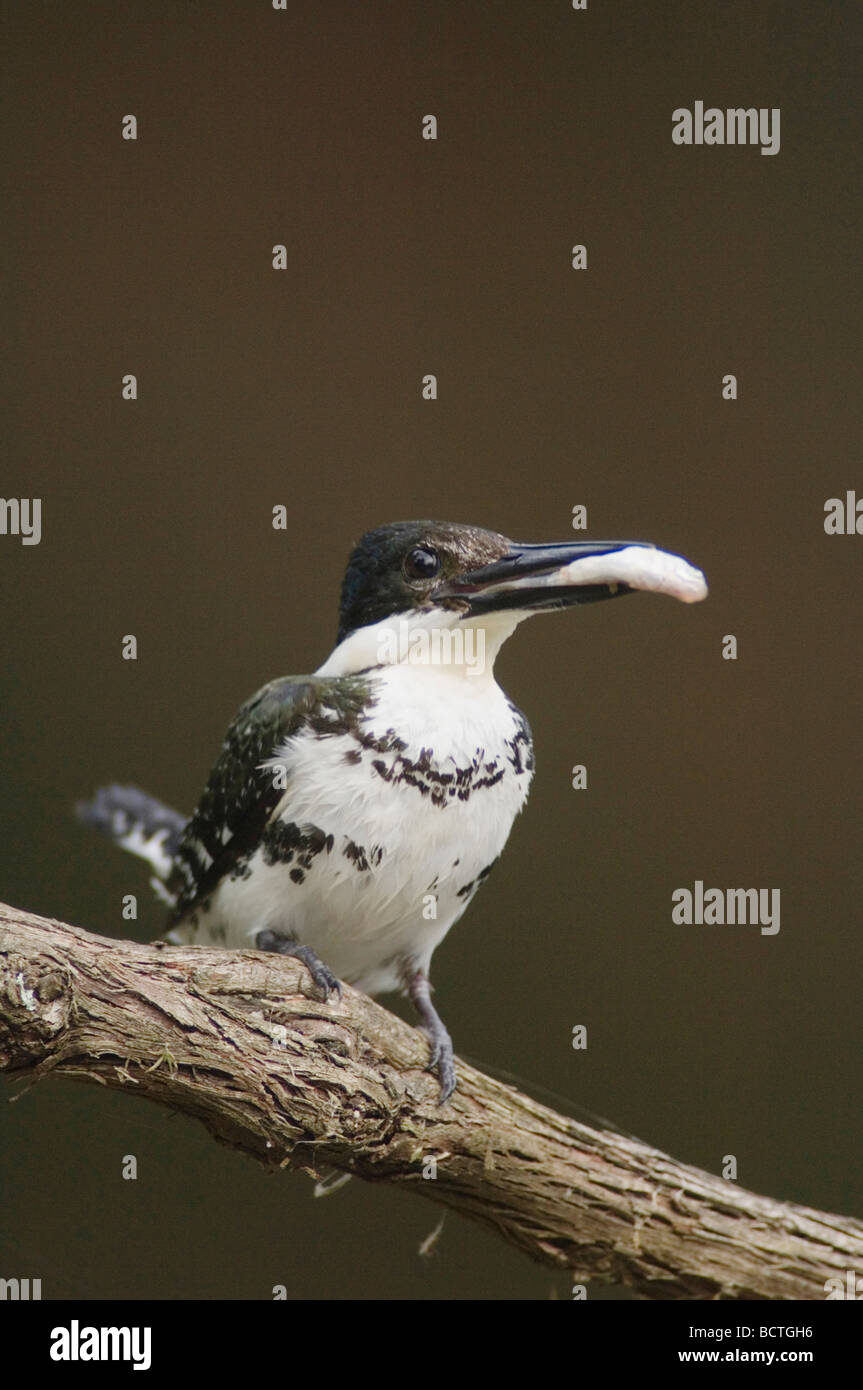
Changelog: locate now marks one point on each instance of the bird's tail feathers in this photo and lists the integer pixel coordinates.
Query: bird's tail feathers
(137, 823)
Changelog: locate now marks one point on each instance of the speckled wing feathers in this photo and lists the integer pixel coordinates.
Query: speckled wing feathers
(241, 795)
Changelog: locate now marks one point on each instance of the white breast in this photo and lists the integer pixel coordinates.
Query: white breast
(412, 827)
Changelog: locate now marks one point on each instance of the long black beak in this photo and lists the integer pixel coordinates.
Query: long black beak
(526, 578)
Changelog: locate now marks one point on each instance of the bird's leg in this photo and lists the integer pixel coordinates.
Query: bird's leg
(442, 1059)
(285, 946)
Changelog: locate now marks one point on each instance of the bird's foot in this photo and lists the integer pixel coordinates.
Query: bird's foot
(321, 974)
(441, 1058)
(442, 1062)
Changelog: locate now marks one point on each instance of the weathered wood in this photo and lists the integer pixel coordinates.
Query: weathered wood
(239, 1040)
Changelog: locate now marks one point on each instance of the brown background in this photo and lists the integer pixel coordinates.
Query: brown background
(556, 388)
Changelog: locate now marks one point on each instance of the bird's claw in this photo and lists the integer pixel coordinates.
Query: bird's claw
(325, 980)
(321, 974)
(442, 1062)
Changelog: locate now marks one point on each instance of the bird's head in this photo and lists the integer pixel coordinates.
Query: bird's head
(419, 576)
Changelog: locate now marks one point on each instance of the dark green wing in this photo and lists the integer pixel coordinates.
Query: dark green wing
(240, 796)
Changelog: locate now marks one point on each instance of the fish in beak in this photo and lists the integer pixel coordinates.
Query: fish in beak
(535, 577)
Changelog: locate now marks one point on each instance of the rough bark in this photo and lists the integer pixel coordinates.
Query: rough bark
(240, 1041)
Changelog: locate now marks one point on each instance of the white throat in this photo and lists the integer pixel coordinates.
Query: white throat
(439, 642)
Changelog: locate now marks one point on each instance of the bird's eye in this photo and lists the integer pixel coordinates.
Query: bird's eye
(421, 563)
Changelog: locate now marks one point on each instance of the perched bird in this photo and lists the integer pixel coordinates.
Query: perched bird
(352, 814)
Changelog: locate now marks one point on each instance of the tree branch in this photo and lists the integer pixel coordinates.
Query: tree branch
(239, 1040)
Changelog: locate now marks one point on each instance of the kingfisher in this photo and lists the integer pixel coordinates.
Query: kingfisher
(352, 814)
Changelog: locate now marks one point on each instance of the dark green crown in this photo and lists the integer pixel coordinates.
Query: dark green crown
(397, 568)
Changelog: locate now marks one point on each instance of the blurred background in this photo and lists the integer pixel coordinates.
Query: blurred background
(556, 388)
